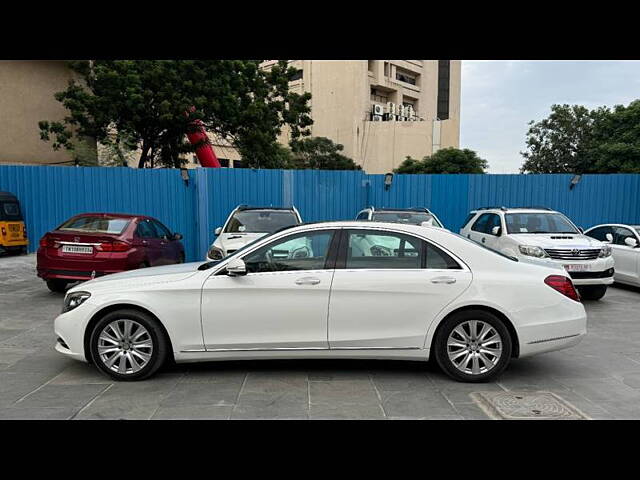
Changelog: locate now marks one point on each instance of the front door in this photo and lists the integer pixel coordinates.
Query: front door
(387, 288)
(482, 230)
(626, 258)
(280, 304)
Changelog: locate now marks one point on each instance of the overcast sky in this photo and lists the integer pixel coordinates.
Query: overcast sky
(499, 98)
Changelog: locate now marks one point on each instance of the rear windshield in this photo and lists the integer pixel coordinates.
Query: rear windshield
(255, 221)
(10, 211)
(96, 225)
(411, 218)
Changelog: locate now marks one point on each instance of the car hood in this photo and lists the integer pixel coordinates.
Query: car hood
(144, 276)
(557, 240)
(235, 241)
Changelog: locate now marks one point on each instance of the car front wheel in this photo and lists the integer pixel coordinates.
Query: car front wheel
(128, 345)
(473, 346)
(592, 292)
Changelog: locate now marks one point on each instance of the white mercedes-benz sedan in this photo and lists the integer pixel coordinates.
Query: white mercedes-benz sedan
(328, 290)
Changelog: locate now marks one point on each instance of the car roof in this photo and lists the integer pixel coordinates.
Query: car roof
(7, 196)
(114, 215)
(409, 209)
(248, 207)
(514, 210)
(627, 225)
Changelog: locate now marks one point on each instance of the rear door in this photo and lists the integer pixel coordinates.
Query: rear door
(387, 288)
(148, 239)
(624, 256)
(170, 248)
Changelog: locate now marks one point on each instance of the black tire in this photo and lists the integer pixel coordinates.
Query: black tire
(457, 319)
(592, 292)
(56, 285)
(156, 334)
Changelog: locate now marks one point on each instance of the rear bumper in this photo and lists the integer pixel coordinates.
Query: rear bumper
(553, 335)
(76, 269)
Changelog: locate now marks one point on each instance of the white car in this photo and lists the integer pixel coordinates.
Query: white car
(544, 236)
(246, 224)
(625, 246)
(407, 216)
(435, 294)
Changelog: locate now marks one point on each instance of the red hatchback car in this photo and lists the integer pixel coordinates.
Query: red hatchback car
(95, 244)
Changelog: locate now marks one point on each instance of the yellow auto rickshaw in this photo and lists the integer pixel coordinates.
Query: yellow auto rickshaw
(13, 232)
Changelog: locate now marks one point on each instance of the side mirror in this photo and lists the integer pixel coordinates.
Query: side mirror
(236, 268)
(609, 238)
(581, 230)
(630, 241)
(217, 231)
(496, 231)
(177, 236)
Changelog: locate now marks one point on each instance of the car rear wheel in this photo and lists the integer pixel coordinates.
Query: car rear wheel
(592, 292)
(56, 285)
(128, 345)
(473, 346)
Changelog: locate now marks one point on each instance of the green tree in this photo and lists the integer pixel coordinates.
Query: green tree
(445, 160)
(561, 143)
(616, 141)
(141, 104)
(319, 153)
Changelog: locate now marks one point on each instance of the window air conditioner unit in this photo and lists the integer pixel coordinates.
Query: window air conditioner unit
(390, 117)
(401, 118)
(378, 109)
(401, 110)
(376, 118)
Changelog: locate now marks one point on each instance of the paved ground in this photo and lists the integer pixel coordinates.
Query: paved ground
(601, 376)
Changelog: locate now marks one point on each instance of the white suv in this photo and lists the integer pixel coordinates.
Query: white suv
(544, 236)
(246, 224)
(408, 216)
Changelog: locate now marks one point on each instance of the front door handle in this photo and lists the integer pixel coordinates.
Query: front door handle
(308, 281)
(447, 280)
(482, 239)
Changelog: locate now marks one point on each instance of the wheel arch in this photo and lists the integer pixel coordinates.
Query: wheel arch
(515, 353)
(112, 308)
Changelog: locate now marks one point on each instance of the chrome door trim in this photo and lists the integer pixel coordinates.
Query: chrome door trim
(278, 349)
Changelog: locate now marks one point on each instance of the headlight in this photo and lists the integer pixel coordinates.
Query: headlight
(532, 251)
(215, 253)
(73, 300)
(605, 251)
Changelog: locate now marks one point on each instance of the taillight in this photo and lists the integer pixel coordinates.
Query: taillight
(113, 247)
(563, 285)
(4, 232)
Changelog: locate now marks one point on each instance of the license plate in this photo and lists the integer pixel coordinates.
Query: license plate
(76, 249)
(14, 228)
(577, 267)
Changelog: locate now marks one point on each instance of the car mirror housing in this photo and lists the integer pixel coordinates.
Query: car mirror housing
(632, 242)
(217, 231)
(236, 267)
(496, 231)
(177, 236)
(609, 238)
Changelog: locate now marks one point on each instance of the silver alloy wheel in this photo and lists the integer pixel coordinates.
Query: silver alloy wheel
(125, 346)
(474, 347)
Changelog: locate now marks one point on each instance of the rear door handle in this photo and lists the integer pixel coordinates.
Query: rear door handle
(447, 280)
(308, 281)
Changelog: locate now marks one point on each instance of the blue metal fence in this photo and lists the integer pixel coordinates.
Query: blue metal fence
(49, 195)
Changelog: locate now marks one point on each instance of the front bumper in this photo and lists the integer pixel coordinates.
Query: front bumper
(601, 270)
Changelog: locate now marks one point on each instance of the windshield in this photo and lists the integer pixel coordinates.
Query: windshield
(10, 211)
(110, 225)
(412, 218)
(538, 223)
(260, 221)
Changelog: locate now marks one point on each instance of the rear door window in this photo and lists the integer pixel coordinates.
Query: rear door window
(373, 249)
